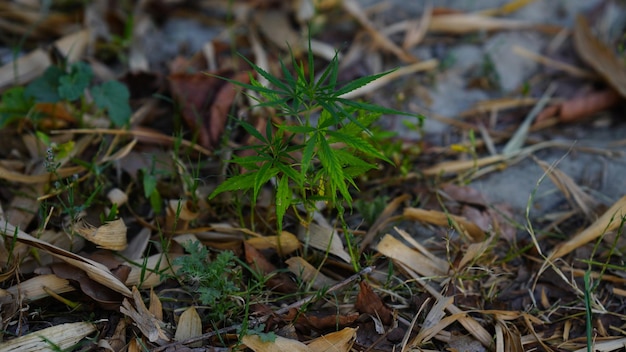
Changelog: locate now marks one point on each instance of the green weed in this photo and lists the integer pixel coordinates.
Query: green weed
(216, 281)
(68, 84)
(319, 149)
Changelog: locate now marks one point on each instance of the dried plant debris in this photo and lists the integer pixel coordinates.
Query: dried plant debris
(309, 175)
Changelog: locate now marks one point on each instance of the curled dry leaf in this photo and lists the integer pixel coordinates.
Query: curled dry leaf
(107, 298)
(111, 235)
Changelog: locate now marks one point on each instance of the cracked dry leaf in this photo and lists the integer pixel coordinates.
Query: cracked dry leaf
(149, 325)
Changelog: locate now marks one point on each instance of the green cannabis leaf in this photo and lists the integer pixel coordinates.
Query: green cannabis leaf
(329, 133)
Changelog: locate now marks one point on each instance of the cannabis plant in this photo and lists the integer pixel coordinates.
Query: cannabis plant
(318, 149)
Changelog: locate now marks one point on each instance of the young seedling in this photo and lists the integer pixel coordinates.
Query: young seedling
(329, 133)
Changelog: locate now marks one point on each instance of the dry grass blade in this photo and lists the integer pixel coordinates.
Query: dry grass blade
(469, 323)
(466, 23)
(606, 346)
(599, 56)
(417, 30)
(609, 221)
(61, 336)
(468, 228)
(574, 194)
(546, 61)
(517, 140)
(354, 9)
(432, 323)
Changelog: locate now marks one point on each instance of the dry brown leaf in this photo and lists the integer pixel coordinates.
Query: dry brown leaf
(599, 56)
(156, 308)
(118, 340)
(417, 29)
(275, 25)
(324, 239)
(111, 235)
(507, 8)
(339, 341)
(308, 273)
(608, 222)
(284, 244)
(149, 325)
(321, 320)
(205, 100)
(94, 270)
(189, 326)
(106, 297)
(280, 344)
(574, 194)
(581, 107)
(433, 323)
(278, 281)
(391, 247)
(368, 302)
(150, 272)
(62, 336)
